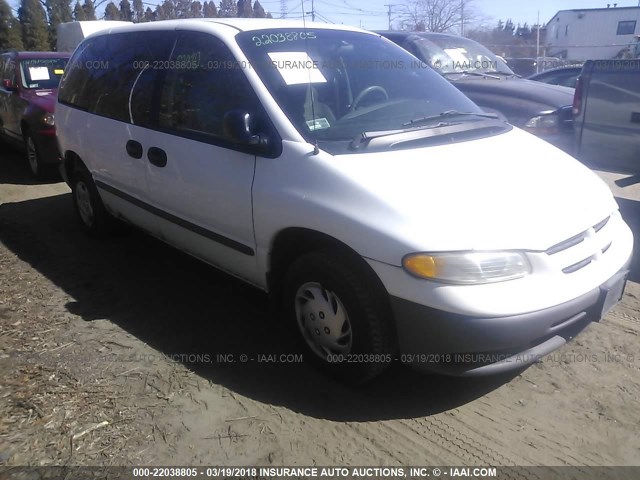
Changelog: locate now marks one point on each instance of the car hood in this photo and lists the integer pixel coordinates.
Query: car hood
(510, 191)
(551, 96)
(44, 99)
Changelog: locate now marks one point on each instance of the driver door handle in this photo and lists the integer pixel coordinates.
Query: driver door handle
(157, 157)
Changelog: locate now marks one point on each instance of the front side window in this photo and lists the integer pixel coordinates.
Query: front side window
(42, 73)
(203, 83)
(10, 71)
(627, 27)
(334, 85)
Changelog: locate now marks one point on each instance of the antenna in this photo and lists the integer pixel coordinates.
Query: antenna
(316, 150)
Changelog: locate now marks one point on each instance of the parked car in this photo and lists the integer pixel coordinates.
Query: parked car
(27, 100)
(563, 76)
(607, 114)
(387, 215)
(526, 67)
(544, 110)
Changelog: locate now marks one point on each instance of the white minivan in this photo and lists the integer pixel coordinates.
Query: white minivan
(389, 217)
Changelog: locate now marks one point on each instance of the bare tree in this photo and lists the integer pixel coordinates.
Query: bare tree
(436, 15)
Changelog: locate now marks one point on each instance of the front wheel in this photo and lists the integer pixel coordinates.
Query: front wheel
(33, 157)
(340, 314)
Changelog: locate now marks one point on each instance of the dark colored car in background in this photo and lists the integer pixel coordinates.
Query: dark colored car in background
(564, 76)
(541, 109)
(28, 94)
(607, 115)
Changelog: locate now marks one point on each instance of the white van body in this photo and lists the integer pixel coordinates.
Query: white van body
(412, 218)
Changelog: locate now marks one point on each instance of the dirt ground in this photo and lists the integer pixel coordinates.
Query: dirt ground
(111, 353)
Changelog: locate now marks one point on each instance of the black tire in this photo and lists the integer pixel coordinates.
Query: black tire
(360, 300)
(93, 216)
(32, 155)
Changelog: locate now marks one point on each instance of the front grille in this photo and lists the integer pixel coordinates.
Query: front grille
(582, 249)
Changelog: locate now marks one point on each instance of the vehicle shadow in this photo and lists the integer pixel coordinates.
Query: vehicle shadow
(195, 314)
(15, 170)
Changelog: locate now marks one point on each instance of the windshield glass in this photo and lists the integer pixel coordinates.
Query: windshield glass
(42, 73)
(334, 85)
(449, 54)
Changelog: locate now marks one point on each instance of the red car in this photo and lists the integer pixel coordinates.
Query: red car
(27, 99)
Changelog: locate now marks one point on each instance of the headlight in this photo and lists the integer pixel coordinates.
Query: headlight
(467, 268)
(543, 124)
(49, 119)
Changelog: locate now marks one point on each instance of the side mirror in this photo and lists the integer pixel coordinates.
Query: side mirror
(239, 126)
(9, 86)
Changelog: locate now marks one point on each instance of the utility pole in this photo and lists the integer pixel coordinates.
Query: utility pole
(462, 18)
(389, 13)
(313, 12)
(538, 45)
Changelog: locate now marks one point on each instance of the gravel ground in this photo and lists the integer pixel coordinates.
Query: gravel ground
(112, 353)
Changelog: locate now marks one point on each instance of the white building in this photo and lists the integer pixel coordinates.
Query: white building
(592, 33)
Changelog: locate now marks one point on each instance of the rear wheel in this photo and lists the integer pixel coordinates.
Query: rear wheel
(340, 315)
(93, 216)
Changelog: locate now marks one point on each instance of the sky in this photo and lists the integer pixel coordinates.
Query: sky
(373, 14)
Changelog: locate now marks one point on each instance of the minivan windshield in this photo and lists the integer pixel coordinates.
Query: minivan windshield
(334, 85)
(451, 54)
(42, 73)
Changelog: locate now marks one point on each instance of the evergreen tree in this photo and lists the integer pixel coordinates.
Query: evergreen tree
(227, 9)
(58, 11)
(196, 10)
(159, 14)
(10, 37)
(78, 13)
(126, 13)
(258, 11)
(209, 10)
(89, 10)
(149, 16)
(168, 10)
(509, 27)
(111, 12)
(15, 35)
(35, 35)
(138, 11)
(182, 8)
(244, 8)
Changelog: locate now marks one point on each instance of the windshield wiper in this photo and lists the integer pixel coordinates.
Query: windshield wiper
(469, 72)
(496, 72)
(449, 113)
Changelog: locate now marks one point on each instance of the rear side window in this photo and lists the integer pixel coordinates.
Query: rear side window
(101, 74)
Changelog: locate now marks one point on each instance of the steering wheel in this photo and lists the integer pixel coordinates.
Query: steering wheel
(367, 91)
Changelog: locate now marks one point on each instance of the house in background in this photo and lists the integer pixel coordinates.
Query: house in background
(592, 33)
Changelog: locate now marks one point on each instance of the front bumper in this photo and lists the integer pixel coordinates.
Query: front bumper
(461, 345)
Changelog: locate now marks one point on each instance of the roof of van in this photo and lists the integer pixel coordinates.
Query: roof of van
(230, 24)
